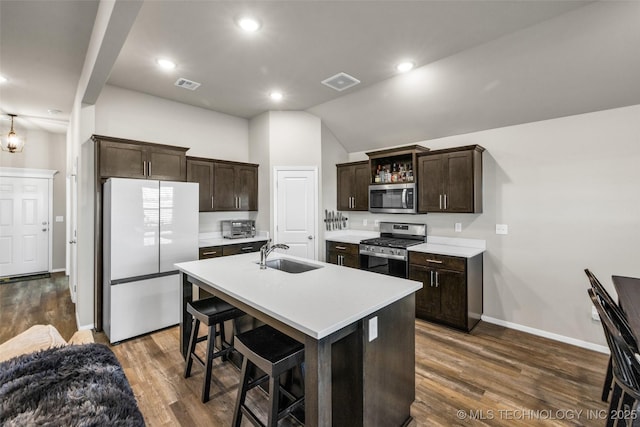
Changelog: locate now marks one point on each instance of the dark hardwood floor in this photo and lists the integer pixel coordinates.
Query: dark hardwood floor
(490, 377)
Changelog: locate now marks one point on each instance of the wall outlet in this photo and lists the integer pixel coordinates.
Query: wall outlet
(376, 223)
(364, 222)
(458, 227)
(502, 229)
(594, 314)
(59, 218)
(373, 328)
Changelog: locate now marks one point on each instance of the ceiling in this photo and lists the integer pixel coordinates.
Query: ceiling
(481, 64)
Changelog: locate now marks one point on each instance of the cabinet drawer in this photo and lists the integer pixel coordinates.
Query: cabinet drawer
(343, 248)
(242, 248)
(210, 252)
(437, 261)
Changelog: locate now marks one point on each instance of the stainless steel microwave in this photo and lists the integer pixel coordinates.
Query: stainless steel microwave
(393, 198)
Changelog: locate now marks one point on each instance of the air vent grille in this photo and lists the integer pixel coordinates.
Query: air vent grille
(341, 81)
(187, 84)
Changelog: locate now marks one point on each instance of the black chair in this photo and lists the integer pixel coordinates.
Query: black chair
(625, 365)
(213, 312)
(602, 293)
(274, 354)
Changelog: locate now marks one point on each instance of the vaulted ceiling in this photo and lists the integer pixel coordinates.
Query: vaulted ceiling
(479, 64)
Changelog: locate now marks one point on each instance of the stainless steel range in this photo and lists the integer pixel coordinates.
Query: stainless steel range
(388, 254)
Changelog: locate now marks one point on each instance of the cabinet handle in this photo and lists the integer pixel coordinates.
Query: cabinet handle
(445, 202)
(341, 259)
(247, 248)
(434, 261)
(342, 248)
(149, 169)
(353, 206)
(440, 201)
(437, 283)
(211, 202)
(431, 278)
(144, 168)
(210, 253)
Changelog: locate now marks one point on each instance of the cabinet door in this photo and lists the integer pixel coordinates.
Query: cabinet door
(351, 260)
(362, 178)
(166, 164)
(201, 171)
(122, 160)
(453, 297)
(332, 257)
(430, 184)
(458, 171)
(224, 194)
(345, 187)
(427, 298)
(247, 187)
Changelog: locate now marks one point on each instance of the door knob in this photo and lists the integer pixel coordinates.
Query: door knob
(310, 237)
(44, 229)
(72, 241)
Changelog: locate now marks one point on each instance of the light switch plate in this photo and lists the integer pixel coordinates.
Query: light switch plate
(59, 218)
(373, 328)
(364, 222)
(502, 229)
(376, 223)
(458, 227)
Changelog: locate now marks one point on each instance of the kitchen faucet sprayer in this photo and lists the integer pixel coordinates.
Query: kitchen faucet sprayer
(265, 250)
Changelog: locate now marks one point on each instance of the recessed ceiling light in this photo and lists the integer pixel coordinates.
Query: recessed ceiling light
(276, 95)
(249, 24)
(53, 111)
(403, 67)
(3, 79)
(166, 63)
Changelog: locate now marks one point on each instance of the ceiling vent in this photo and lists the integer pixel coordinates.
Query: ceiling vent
(187, 84)
(341, 81)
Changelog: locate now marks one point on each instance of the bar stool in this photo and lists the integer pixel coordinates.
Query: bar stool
(274, 354)
(213, 312)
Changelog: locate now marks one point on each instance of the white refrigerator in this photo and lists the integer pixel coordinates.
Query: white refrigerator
(148, 226)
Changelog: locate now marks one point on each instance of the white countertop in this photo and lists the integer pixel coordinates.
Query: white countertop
(216, 239)
(350, 236)
(452, 246)
(317, 302)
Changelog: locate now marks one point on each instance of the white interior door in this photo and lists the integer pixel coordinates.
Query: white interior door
(72, 235)
(24, 226)
(296, 211)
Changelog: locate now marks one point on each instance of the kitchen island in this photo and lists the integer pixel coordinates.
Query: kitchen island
(357, 328)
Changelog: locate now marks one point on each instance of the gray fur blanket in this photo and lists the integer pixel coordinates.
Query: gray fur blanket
(75, 385)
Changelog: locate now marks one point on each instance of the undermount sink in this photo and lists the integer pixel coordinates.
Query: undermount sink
(290, 266)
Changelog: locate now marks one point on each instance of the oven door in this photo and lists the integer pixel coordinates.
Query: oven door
(388, 266)
(392, 198)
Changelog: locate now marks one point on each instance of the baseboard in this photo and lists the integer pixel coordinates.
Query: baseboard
(539, 332)
(83, 327)
(58, 270)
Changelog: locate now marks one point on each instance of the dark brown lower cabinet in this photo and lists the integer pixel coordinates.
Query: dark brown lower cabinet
(346, 254)
(452, 288)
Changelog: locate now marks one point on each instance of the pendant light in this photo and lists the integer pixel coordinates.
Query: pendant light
(12, 142)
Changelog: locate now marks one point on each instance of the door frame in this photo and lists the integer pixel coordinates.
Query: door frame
(47, 174)
(314, 169)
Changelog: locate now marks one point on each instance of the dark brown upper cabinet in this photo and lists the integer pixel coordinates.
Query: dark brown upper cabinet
(224, 186)
(124, 158)
(394, 165)
(450, 180)
(353, 186)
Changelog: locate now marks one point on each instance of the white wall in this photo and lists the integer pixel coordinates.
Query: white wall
(568, 190)
(332, 153)
(45, 150)
(283, 138)
(123, 113)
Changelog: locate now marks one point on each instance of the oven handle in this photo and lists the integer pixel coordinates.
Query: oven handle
(376, 255)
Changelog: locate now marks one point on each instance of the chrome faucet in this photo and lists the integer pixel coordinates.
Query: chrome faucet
(266, 250)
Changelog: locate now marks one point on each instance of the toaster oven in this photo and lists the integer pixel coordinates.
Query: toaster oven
(238, 229)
